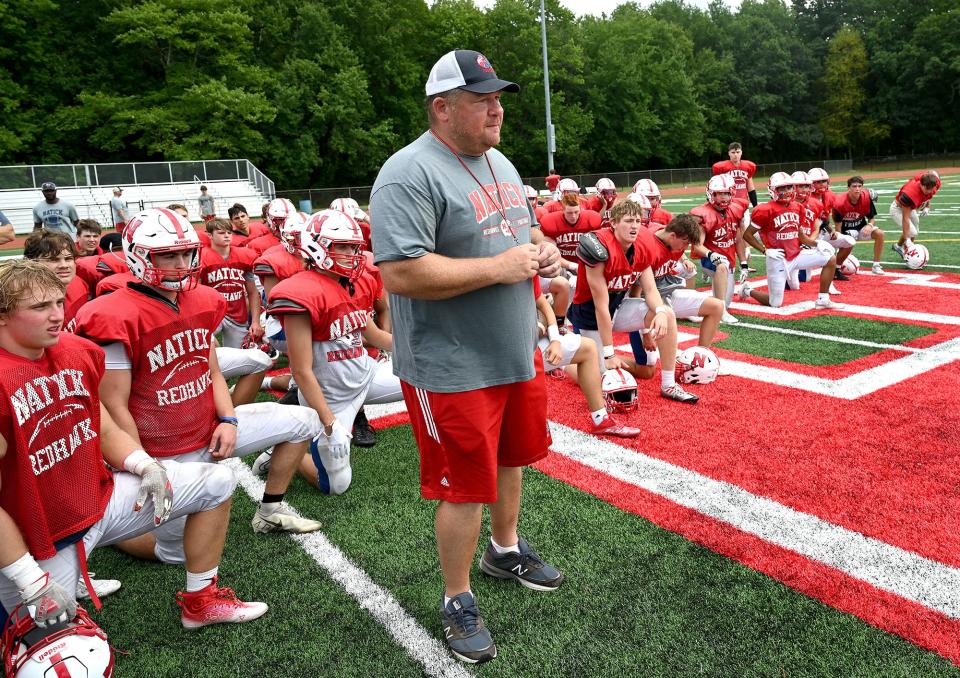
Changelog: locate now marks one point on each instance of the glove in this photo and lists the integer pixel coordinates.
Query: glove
(47, 602)
(925, 212)
(776, 254)
(716, 258)
(338, 442)
(824, 248)
(154, 484)
(743, 275)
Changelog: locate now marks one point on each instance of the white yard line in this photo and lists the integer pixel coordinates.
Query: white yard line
(903, 573)
(382, 606)
(829, 337)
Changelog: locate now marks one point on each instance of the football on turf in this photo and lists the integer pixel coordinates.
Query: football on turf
(697, 365)
(916, 257)
(850, 266)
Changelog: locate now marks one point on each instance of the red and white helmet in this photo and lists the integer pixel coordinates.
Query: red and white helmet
(359, 215)
(531, 192)
(326, 229)
(649, 188)
(720, 191)
(697, 365)
(820, 179)
(780, 187)
(607, 190)
(290, 231)
(277, 212)
(619, 390)
(641, 200)
(916, 256)
(78, 649)
(567, 186)
(850, 265)
(344, 205)
(802, 183)
(161, 231)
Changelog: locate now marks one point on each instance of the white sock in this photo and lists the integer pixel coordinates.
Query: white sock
(268, 508)
(265, 385)
(505, 549)
(292, 385)
(667, 379)
(823, 296)
(597, 416)
(200, 580)
(652, 356)
(446, 598)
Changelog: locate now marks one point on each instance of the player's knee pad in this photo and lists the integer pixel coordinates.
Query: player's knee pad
(334, 473)
(237, 362)
(219, 482)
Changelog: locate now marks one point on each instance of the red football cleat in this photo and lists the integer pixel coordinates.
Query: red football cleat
(611, 427)
(215, 605)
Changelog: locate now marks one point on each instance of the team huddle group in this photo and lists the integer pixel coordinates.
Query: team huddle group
(115, 357)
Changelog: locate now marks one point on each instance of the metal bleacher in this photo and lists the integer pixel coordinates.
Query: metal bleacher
(89, 187)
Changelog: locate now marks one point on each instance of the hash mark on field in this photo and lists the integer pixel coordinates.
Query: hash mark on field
(908, 575)
(830, 337)
(381, 605)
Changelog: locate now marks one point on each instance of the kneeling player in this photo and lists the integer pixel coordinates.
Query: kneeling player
(325, 311)
(59, 501)
(163, 384)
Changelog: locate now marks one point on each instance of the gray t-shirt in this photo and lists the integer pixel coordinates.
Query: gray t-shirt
(56, 217)
(3, 219)
(424, 201)
(118, 207)
(206, 204)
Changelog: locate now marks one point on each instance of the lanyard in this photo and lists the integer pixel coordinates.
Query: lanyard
(505, 225)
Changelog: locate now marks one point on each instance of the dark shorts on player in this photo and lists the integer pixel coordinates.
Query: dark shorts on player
(463, 437)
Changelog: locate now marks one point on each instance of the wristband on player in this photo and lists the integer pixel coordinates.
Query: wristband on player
(608, 352)
(229, 420)
(553, 333)
(660, 309)
(136, 461)
(744, 265)
(23, 571)
(753, 198)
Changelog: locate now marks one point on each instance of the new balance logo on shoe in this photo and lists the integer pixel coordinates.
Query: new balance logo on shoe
(519, 569)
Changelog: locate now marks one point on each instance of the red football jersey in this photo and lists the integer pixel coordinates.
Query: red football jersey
(226, 276)
(112, 283)
(827, 200)
(540, 213)
(779, 226)
(94, 269)
(720, 228)
(618, 269)
(850, 215)
(278, 263)
(740, 173)
(659, 218)
(54, 480)
(204, 237)
(557, 206)
(77, 294)
(810, 211)
(255, 229)
(334, 312)
(262, 243)
(567, 236)
(911, 195)
(169, 348)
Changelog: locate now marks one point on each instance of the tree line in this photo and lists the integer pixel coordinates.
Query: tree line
(321, 92)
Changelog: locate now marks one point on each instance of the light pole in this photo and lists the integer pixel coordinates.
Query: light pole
(551, 139)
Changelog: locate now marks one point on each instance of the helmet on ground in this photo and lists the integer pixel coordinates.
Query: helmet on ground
(697, 365)
(850, 265)
(916, 257)
(619, 390)
(326, 230)
(78, 648)
(720, 191)
(161, 231)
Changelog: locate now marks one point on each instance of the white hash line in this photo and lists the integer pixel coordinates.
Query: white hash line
(901, 572)
(382, 606)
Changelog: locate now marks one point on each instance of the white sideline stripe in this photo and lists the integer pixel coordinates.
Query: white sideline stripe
(929, 264)
(802, 306)
(908, 575)
(926, 283)
(856, 385)
(382, 606)
(830, 337)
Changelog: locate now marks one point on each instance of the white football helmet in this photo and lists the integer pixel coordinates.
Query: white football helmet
(567, 186)
(344, 205)
(78, 649)
(850, 265)
(916, 257)
(359, 215)
(161, 231)
(820, 179)
(697, 365)
(290, 231)
(327, 229)
(781, 188)
(720, 191)
(619, 390)
(802, 184)
(649, 188)
(641, 200)
(607, 190)
(277, 212)
(531, 192)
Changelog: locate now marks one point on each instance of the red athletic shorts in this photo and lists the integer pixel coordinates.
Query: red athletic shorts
(209, 217)
(463, 437)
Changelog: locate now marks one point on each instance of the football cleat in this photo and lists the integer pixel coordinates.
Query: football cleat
(877, 269)
(526, 566)
(833, 289)
(743, 294)
(840, 275)
(729, 319)
(467, 636)
(898, 249)
(677, 393)
(364, 435)
(216, 605)
(102, 587)
(611, 427)
(282, 520)
(824, 304)
(261, 466)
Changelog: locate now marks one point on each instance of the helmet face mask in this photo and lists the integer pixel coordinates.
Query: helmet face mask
(720, 191)
(802, 185)
(277, 212)
(333, 242)
(619, 390)
(80, 647)
(649, 189)
(781, 188)
(158, 232)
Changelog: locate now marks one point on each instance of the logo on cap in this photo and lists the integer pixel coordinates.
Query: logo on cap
(484, 64)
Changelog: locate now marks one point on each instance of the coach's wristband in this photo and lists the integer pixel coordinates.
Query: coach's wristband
(229, 420)
(660, 309)
(608, 352)
(553, 333)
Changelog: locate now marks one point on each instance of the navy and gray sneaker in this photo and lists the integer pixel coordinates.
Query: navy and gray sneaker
(898, 249)
(467, 636)
(526, 567)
